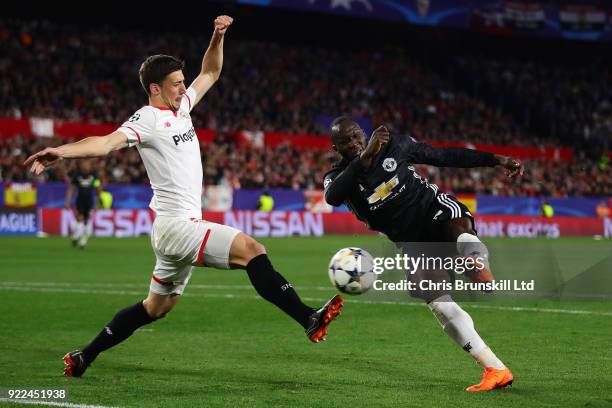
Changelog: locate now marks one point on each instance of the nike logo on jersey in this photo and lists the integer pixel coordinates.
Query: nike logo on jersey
(185, 137)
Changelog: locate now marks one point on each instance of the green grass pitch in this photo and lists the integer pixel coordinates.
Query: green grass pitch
(223, 346)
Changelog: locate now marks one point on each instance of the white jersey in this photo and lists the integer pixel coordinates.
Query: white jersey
(170, 150)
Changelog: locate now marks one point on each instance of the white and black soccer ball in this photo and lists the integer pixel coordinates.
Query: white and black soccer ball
(351, 271)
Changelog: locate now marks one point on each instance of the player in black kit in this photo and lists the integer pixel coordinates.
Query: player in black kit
(85, 181)
(378, 182)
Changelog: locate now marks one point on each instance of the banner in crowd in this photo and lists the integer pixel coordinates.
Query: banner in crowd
(517, 226)
(18, 221)
(131, 223)
(574, 207)
(543, 18)
(19, 195)
(53, 195)
(284, 199)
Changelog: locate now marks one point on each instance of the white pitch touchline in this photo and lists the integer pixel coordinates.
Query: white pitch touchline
(200, 286)
(379, 302)
(52, 403)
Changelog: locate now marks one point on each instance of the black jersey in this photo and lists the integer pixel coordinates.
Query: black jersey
(390, 196)
(85, 184)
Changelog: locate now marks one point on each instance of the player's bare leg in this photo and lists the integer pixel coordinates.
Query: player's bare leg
(158, 306)
(122, 326)
(246, 253)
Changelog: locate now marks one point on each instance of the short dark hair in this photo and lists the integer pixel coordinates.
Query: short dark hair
(334, 128)
(155, 68)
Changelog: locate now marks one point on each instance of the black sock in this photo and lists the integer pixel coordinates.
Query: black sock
(120, 328)
(275, 289)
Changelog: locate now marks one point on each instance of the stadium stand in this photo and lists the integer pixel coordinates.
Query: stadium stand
(275, 87)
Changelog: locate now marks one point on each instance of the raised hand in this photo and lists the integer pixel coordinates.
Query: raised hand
(222, 23)
(379, 138)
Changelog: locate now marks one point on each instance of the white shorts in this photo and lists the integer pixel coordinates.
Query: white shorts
(181, 243)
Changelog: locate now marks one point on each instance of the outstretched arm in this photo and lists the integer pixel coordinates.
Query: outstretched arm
(339, 185)
(460, 157)
(213, 59)
(93, 146)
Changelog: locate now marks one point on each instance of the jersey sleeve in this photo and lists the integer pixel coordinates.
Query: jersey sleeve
(139, 127)
(340, 183)
(188, 101)
(329, 177)
(422, 153)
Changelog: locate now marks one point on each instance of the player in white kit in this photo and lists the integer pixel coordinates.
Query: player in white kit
(168, 145)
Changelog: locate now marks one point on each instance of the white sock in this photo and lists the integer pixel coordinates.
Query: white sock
(78, 230)
(470, 245)
(84, 236)
(486, 358)
(459, 326)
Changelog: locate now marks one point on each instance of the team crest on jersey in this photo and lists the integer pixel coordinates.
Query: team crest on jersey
(389, 164)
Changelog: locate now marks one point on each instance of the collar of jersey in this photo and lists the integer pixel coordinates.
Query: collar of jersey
(165, 109)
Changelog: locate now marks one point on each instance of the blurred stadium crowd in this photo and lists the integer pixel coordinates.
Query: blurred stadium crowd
(286, 167)
(274, 87)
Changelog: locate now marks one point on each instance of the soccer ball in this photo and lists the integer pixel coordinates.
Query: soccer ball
(351, 271)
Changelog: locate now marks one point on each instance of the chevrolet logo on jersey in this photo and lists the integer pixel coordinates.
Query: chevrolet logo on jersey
(383, 190)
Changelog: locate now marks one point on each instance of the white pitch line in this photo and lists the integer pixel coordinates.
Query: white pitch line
(19, 288)
(82, 285)
(52, 403)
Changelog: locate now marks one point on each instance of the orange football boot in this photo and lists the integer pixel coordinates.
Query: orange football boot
(493, 378)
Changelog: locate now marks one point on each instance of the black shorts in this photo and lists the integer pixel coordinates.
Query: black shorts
(443, 208)
(84, 207)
